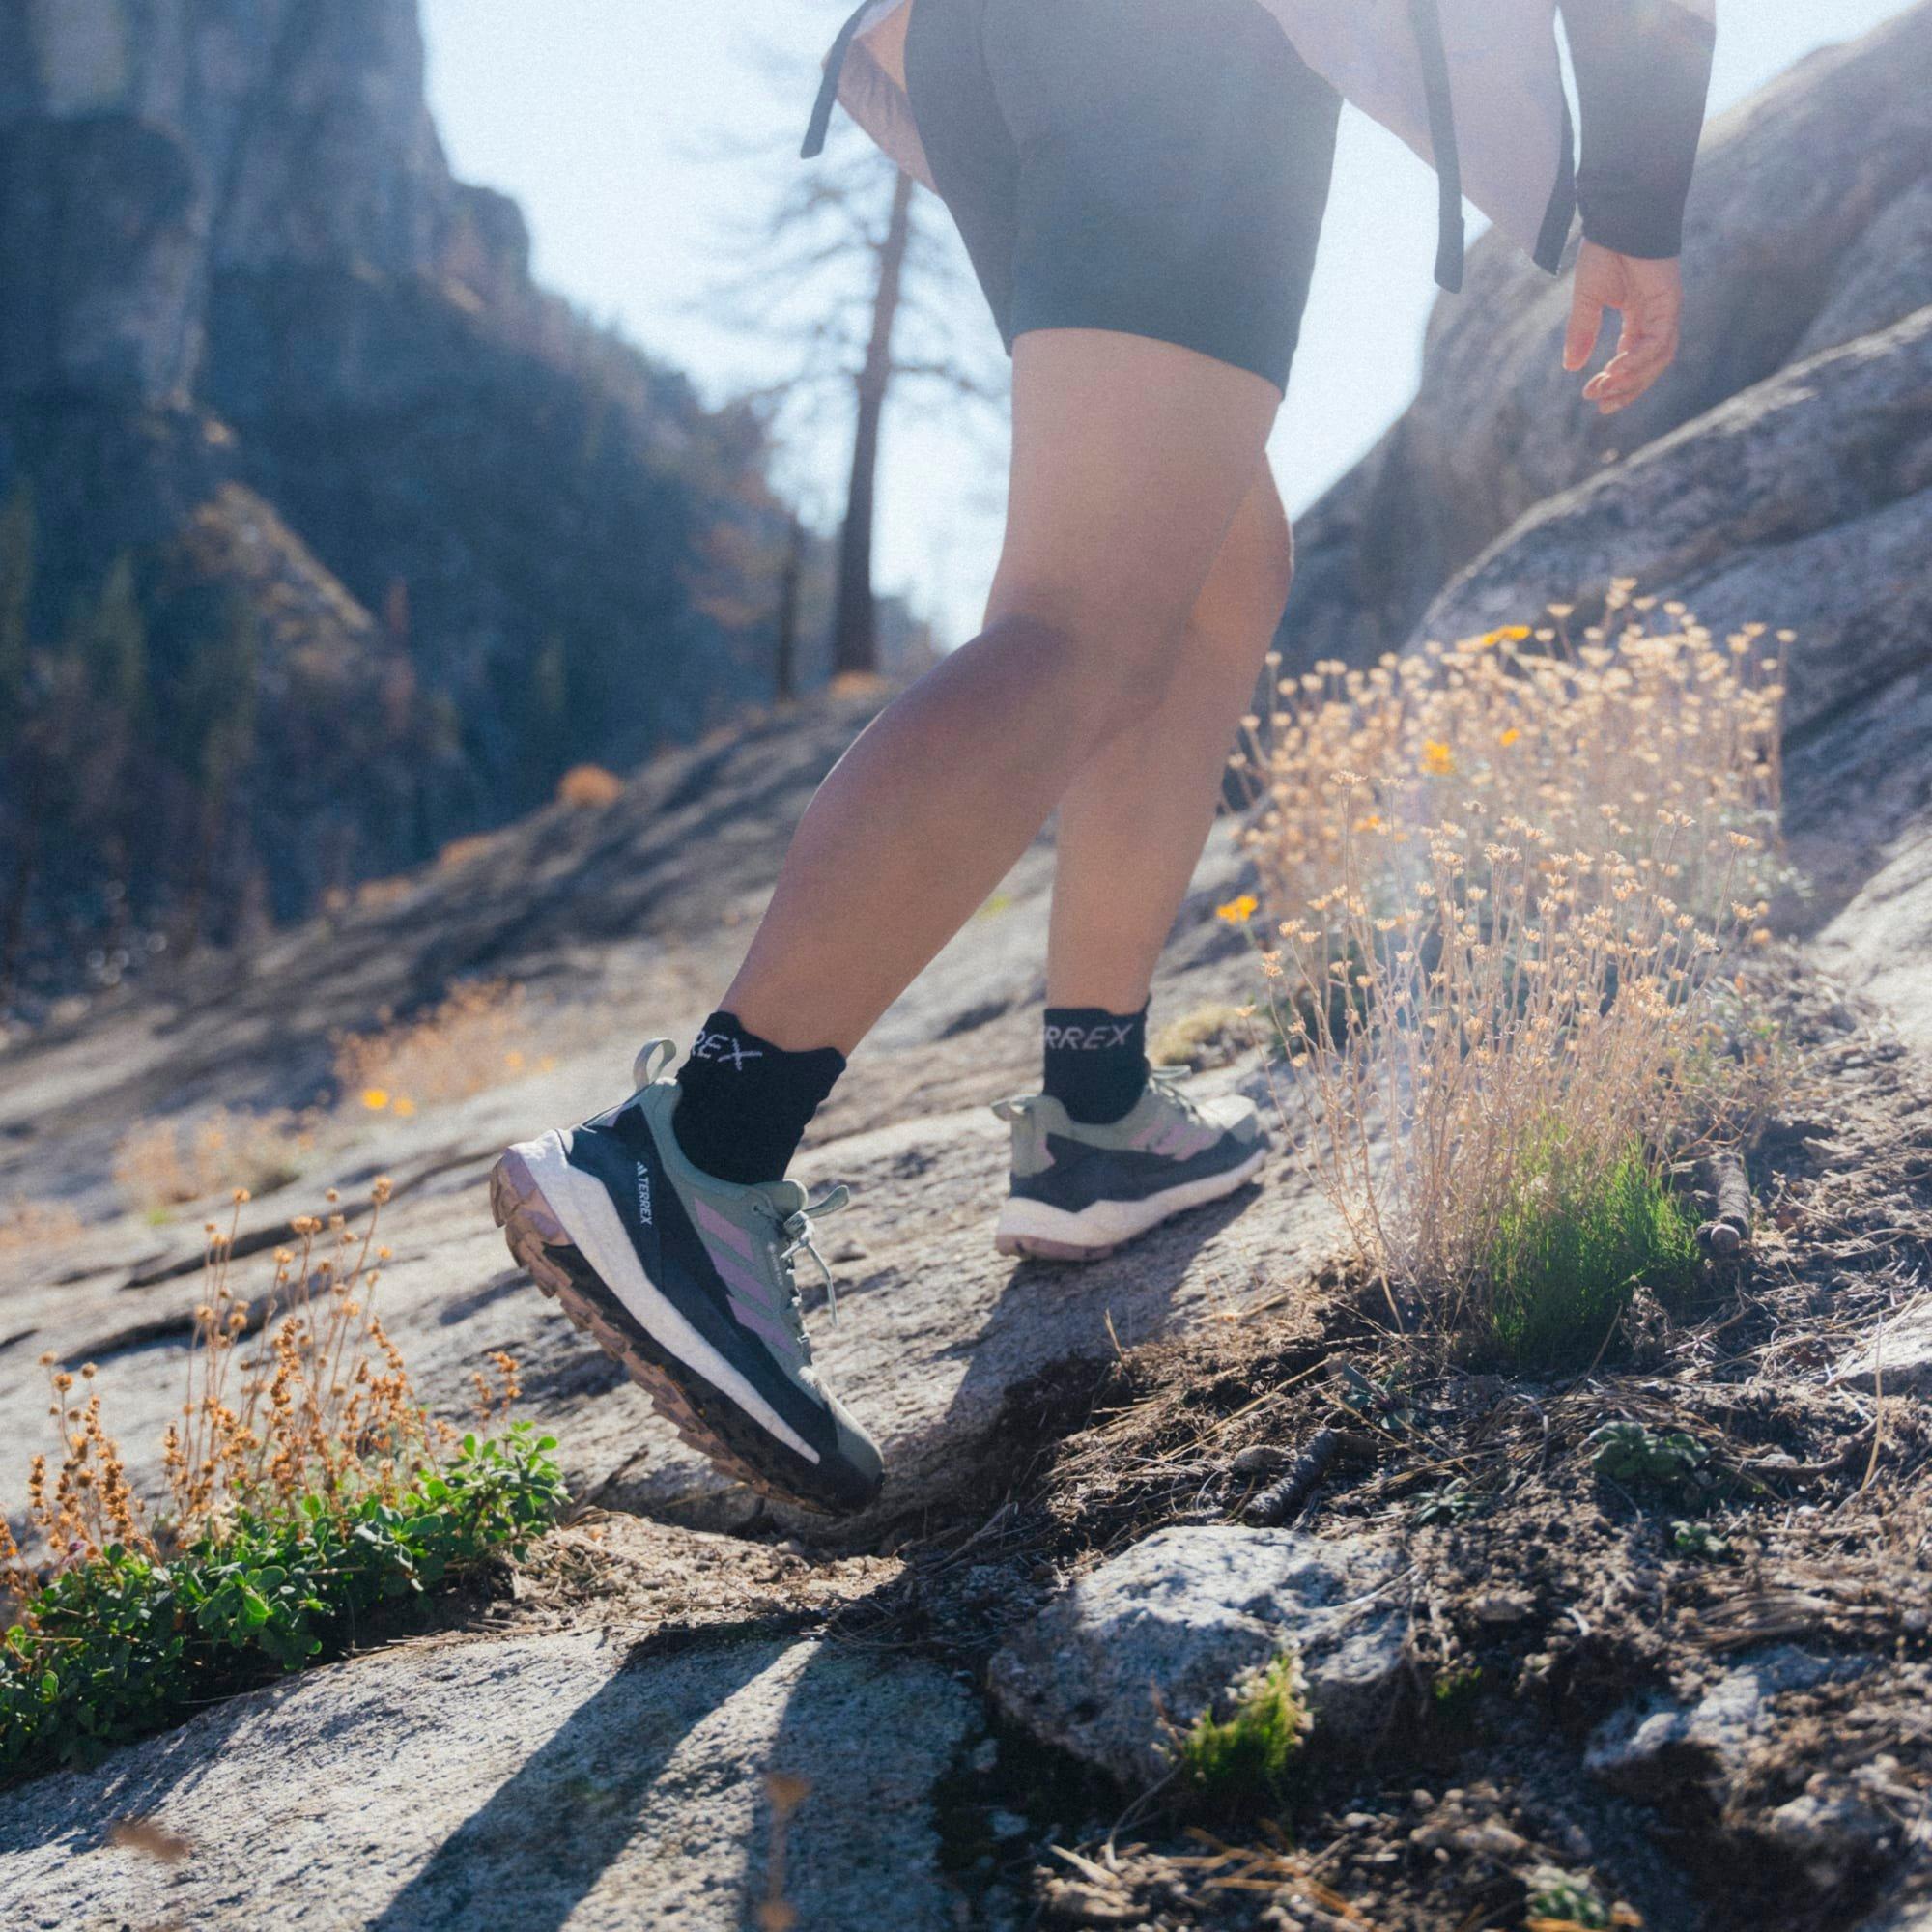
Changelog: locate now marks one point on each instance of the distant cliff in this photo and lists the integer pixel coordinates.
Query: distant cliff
(325, 534)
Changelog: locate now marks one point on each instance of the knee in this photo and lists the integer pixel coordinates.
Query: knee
(1114, 664)
(1242, 602)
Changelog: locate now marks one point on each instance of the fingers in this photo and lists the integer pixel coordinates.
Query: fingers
(1646, 347)
(1586, 322)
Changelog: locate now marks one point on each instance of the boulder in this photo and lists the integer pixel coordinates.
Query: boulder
(515, 1781)
(1130, 1654)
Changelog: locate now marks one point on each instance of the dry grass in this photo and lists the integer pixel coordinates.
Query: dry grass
(477, 1038)
(164, 1164)
(1500, 880)
(37, 1224)
(297, 1392)
(589, 789)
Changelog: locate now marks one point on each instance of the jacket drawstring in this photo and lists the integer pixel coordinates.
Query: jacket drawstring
(1427, 19)
(828, 88)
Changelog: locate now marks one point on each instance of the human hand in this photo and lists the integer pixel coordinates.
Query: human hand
(1649, 298)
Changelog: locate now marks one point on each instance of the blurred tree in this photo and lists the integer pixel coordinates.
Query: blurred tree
(17, 595)
(855, 276)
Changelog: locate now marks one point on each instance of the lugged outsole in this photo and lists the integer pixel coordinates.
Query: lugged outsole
(536, 1239)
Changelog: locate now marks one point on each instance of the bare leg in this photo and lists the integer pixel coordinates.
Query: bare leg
(1131, 458)
(1133, 822)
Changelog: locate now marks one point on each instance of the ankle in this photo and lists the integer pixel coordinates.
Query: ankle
(743, 1103)
(1096, 1064)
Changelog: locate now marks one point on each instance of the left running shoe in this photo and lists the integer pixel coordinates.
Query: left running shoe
(688, 1283)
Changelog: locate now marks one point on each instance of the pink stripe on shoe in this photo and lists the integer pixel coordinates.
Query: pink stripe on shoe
(720, 1228)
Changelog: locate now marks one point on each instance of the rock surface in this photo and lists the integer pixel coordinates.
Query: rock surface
(521, 1782)
(637, 913)
(1661, 1745)
(1141, 1645)
(1899, 1360)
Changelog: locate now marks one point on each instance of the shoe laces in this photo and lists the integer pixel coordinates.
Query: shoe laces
(801, 1237)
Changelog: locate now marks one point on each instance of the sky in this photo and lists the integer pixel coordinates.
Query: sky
(638, 136)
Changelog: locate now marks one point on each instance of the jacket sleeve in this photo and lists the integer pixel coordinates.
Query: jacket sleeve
(1643, 69)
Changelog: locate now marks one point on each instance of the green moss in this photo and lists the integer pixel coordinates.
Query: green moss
(1246, 1758)
(1571, 1246)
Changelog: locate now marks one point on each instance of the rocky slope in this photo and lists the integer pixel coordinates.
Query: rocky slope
(1710, 1698)
(405, 534)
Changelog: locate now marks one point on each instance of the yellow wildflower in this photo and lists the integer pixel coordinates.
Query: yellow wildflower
(1239, 911)
(1509, 737)
(375, 1099)
(404, 1108)
(1437, 760)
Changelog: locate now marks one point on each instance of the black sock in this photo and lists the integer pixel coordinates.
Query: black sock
(1096, 1064)
(744, 1102)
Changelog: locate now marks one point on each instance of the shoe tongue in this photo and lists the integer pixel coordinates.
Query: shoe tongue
(786, 1196)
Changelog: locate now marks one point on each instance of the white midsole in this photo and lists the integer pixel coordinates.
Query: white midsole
(596, 1230)
(1105, 1224)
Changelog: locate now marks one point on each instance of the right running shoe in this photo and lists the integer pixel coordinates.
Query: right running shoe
(688, 1283)
(1080, 1191)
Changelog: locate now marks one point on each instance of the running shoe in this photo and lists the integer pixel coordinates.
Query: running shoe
(1080, 1191)
(690, 1283)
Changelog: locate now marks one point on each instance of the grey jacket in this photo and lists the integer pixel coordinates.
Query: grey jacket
(1476, 89)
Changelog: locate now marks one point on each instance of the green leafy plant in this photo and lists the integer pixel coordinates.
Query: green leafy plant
(124, 1643)
(1455, 1692)
(1247, 1757)
(1453, 1503)
(1700, 1541)
(1566, 1899)
(1572, 1242)
(1629, 1452)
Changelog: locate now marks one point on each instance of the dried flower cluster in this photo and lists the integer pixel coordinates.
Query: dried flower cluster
(477, 1038)
(300, 1393)
(1498, 876)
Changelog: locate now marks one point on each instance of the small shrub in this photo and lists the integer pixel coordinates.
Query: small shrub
(164, 1164)
(1561, 1901)
(1500, 881)
(589, 789)
(1631, 1452)
(124, 1642)
(305, 1485)
(1246, 1758)
(1570, 1244)
(1204, 1038)
(1698, 1541)
(478, 1036)
(1455, 1695)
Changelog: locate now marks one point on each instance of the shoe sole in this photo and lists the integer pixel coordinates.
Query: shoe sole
(542, 1246)
(1040, 1232)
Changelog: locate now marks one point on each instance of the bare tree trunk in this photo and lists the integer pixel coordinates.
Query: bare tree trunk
(855, 640)
(791, 574)
(13, 935)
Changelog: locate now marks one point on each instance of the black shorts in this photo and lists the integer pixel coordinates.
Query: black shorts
(1156, 167)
